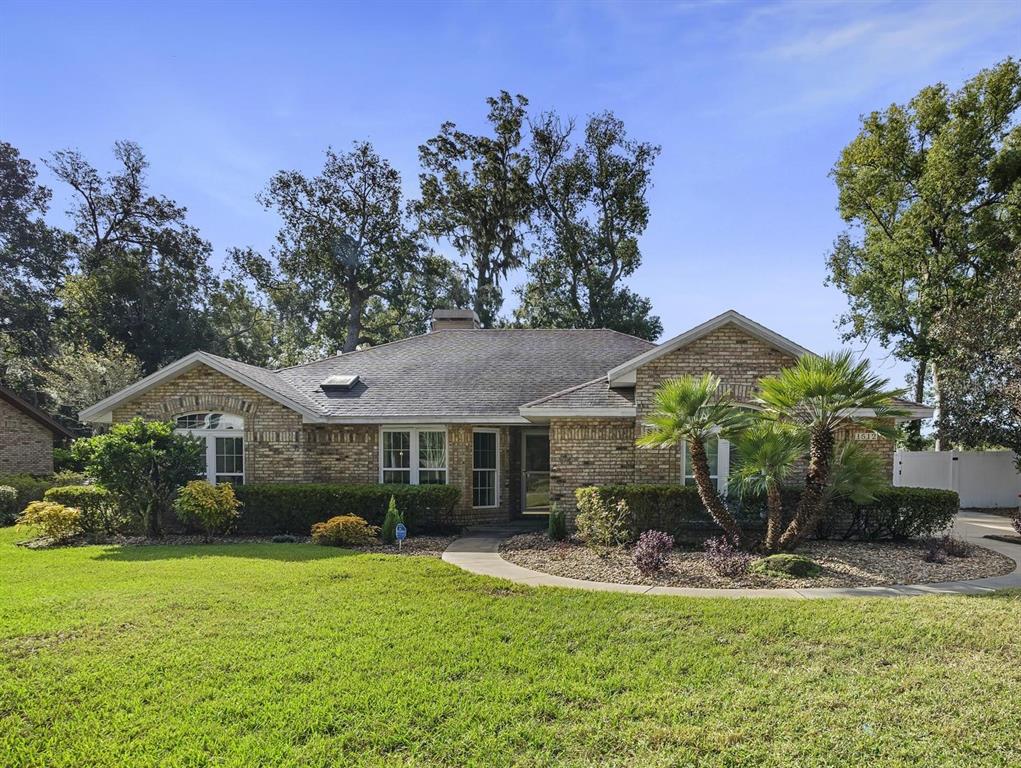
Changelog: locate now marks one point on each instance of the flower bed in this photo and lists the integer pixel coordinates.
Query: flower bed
(844, 564)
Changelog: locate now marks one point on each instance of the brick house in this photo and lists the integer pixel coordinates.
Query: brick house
(27, 435)
(516, 419)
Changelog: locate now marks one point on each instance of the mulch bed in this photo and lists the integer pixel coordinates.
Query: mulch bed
(424, 546)
(844, 564)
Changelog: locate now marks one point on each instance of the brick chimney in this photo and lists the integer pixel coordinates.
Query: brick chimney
(454, 319)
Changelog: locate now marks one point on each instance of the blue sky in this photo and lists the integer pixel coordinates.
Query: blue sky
(751, 103)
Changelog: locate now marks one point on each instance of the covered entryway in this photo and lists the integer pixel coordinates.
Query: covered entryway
(535, 472)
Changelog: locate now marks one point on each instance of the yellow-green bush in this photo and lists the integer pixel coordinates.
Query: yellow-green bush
(214, 508)
(344, 531)
(53, 520)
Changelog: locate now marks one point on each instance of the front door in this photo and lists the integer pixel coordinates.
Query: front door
(535, 465)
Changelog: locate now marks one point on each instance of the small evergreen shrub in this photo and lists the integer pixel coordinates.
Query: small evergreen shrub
(602, 523)
(54, 520)
(344, 531)
(100, 511)
(213, 508)
(284, 538)
(726, 559)
(895, 513)
(651, 551)
(388, 531)
(556, 528)
(8, 501)
(785, 565)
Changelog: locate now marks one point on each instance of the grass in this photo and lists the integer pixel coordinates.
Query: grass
(295, 655)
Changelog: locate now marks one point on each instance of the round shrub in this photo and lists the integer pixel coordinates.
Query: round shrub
(54, 520)
(344, 531)
(651, 551)
(214, 508)
(726, 559)
(786, 565)
(100, 512)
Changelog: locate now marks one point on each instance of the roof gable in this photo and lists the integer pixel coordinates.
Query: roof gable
(259, 379)
(624, 374)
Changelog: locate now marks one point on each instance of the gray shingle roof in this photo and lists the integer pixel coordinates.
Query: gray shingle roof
(591, 394)
(460, 372)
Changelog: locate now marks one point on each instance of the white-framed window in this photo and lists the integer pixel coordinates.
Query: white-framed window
(413, 455)
(718, 453)
(485, 468)
(222, 435)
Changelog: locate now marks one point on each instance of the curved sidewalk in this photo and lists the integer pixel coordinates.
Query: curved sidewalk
(479, 553)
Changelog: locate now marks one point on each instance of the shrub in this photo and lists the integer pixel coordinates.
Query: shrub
(64, 461)
(294, 508)
(785, 565)
(143, 463)
(673, 508)
(100, 512)
(953, 546)
(214, 508)
(895, 513)
(8, 501)
(725, 558)
(935, 553)
(556, 528)
(344, 530)
(32, 487)
(284, 538)
(603, 523)
(54, 520)
(388, 531)
(651, 551)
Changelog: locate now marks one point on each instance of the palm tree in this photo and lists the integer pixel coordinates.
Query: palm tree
(768, 453)
(821, 395)
(692, 410)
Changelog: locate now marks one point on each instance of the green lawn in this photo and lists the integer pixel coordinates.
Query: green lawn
(288, 655)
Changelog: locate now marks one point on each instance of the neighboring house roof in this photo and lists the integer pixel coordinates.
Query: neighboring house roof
(624, 374)
(35, 413)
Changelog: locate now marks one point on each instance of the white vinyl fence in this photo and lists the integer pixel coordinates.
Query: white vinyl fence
(981, 478)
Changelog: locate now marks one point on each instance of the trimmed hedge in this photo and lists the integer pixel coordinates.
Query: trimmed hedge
(101, 512)
(675, 509)
(32, 487)
(896, 513)
(271, 508)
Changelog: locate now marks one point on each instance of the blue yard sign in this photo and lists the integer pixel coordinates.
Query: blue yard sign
(401, 533)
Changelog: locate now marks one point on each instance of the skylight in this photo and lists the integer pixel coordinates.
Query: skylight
(334, 383)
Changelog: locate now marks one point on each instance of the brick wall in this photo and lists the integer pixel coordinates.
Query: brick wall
(589, 452)
(274, 435)
(738, 359)
(25, 444)
(280, 448)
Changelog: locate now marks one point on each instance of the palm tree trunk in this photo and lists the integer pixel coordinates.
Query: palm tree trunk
(710, 495)
(775, 520)
(810, 507)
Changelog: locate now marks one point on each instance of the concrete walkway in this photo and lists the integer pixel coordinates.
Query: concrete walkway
(479, 552)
